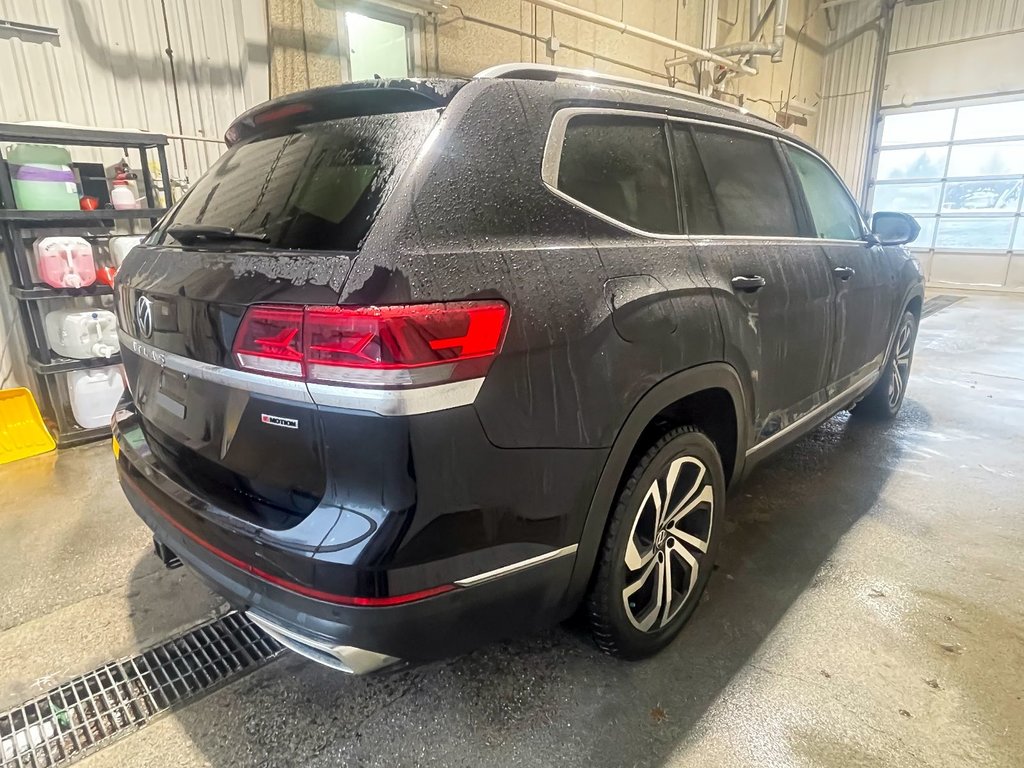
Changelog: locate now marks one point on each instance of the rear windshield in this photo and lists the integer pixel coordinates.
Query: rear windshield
(317, 189)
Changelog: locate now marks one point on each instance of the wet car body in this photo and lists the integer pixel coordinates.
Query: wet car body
(362, 525)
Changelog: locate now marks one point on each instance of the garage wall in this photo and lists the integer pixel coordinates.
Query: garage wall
(472, 35)
(107, 68)
(849, 72)
(954, 49)
(938, 53)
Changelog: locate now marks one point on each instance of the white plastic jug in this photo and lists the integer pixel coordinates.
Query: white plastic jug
(94, 395)
(121, 245)
(122, 197)
(82, 333)
(65, 262)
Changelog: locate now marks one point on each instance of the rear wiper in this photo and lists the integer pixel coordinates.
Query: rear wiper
(190, 233)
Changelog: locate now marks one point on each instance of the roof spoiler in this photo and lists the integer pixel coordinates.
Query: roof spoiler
(333, 102)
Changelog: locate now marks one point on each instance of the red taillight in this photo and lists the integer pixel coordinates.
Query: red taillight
(270, 341)
(393, 346)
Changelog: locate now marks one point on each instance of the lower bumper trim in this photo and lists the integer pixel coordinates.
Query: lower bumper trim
(354, 661)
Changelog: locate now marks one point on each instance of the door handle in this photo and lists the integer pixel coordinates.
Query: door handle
(844, 273)
(748, 283)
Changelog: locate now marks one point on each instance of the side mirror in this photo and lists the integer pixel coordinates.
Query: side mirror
(893, 228)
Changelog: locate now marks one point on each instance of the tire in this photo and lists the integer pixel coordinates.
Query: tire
(885, 399)
(636, 548)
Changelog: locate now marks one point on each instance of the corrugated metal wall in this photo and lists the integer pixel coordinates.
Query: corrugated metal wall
(844, 120)
(939, 52)
(946, 21)
(851, 55)
(108, 67)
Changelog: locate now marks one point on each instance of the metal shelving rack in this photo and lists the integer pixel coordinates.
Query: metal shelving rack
(19, 226)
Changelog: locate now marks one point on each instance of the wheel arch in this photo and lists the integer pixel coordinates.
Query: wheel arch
(671, 399)
(913, 301)
(915, 304)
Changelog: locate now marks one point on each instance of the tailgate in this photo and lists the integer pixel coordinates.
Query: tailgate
(277, 220)
(248, 443)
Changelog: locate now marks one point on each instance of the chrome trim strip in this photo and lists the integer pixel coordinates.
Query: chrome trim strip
(384, 402)
(552, 158)
(846, 394)
(346, 658)
(506, 570)
(398, 402)
(285, 389)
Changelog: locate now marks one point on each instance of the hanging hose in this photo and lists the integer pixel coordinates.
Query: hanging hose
(174, 87)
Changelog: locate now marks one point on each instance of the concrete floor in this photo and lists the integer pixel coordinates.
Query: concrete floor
(867, 610)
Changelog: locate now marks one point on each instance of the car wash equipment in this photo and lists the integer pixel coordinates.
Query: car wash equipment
(65, 262)
(94, 395)
(42, 178)
(82, 334)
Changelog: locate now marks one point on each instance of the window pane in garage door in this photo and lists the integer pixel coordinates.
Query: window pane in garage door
(923, 163)
(971, 203)
(992, 195)
(918, 127)
(972, 234)
(989, 121)
(908, 198)
(1003, 158)
(927, 236)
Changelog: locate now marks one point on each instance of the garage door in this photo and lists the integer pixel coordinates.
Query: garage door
(959, 169)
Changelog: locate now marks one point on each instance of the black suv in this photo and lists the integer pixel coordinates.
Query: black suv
(419, 364)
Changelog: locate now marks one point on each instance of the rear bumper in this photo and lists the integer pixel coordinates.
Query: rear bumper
(482, 605)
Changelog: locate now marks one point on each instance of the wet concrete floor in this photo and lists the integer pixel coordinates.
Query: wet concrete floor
(867, 610)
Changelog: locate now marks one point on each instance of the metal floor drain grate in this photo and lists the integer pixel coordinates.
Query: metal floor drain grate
(91, 710)
(939, 303)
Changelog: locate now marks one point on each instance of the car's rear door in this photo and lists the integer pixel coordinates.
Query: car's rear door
(773, 287)
(863, 276)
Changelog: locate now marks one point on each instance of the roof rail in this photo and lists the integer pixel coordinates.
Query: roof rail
(553, 73)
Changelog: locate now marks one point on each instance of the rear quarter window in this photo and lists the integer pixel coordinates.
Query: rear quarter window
(619, 166)
(318, 188)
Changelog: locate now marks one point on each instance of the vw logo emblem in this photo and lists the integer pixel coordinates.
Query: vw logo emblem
(144, 316)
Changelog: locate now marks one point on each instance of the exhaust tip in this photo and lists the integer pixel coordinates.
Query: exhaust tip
(344, 658)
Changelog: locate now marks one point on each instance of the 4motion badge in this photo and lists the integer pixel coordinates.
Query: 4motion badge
(279, 421)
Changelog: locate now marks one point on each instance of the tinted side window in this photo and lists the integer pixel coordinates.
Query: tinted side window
(747, 182)
(834, 213)
(700, 215)
(620, 167)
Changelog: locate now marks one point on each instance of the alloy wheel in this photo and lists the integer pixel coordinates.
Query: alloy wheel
(668, 543)
(900, 368)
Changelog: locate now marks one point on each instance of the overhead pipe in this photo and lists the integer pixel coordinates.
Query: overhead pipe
(708, 40)
(691, 53)
(748, 49)
(752, 47)
(463, 16)
(779, 39)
